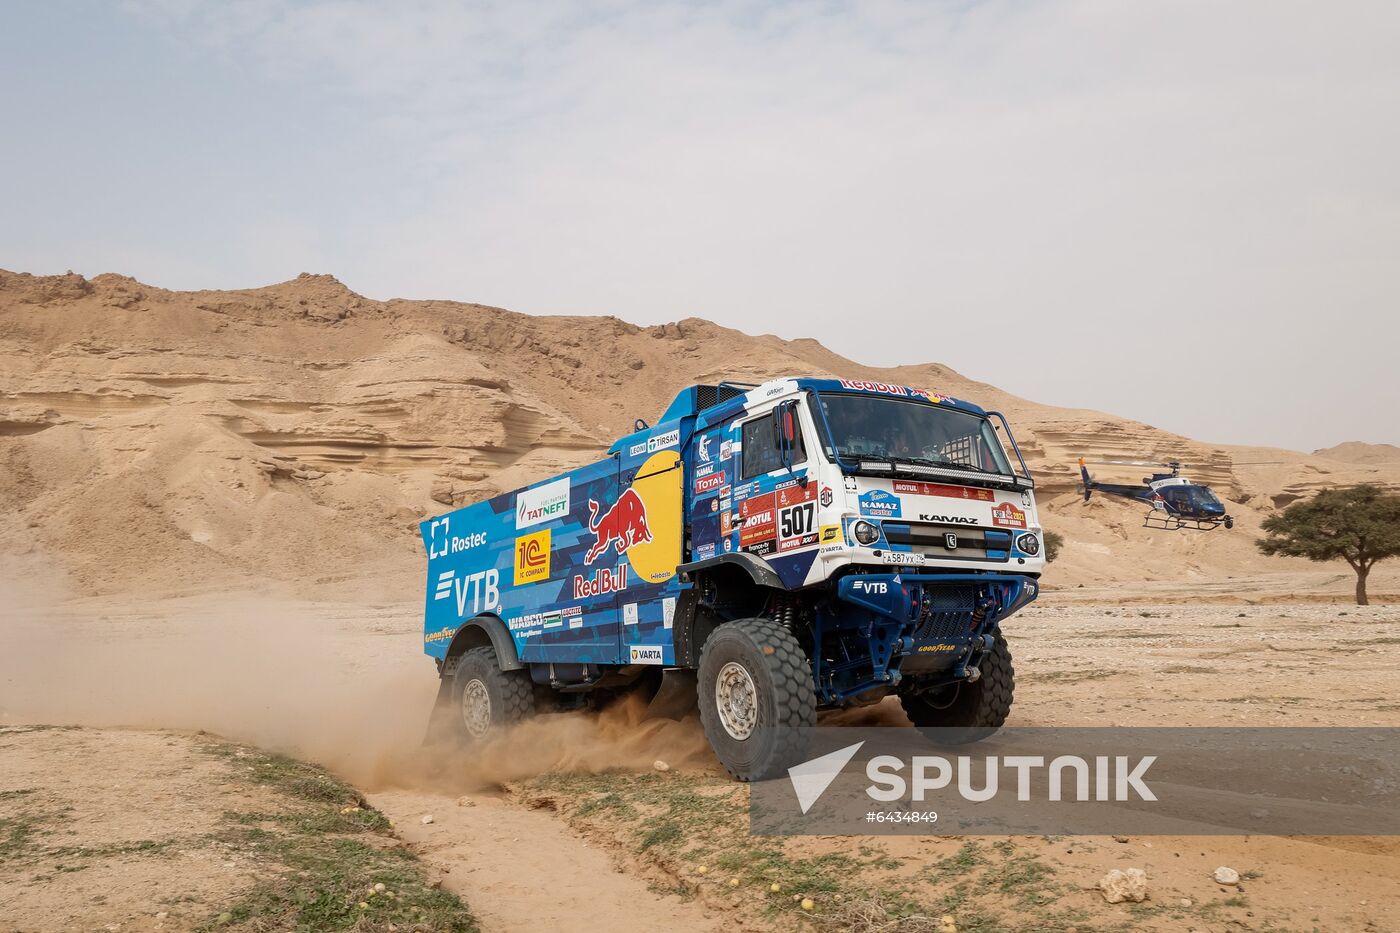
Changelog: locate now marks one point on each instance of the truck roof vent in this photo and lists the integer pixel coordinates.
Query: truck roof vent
(705, 396)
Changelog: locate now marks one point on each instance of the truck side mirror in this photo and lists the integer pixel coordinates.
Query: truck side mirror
(785, 430)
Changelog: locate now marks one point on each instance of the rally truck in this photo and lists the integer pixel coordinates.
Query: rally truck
(799, 545)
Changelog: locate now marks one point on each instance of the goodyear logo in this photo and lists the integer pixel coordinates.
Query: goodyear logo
(442, 634)
(532, 557)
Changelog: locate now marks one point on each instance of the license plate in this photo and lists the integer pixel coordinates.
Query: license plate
(904, 557)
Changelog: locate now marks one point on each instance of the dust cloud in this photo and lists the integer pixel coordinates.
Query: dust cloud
(344, 686)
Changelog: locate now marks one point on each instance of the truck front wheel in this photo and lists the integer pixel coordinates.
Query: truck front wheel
(970, 711)
(755, 687)
(486, 698)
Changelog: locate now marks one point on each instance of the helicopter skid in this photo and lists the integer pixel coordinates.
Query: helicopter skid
(1155, 519)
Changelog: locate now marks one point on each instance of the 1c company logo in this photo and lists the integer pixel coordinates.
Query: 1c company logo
(532, 557)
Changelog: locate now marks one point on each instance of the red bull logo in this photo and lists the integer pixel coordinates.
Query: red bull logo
(603, 582)
(620, 527)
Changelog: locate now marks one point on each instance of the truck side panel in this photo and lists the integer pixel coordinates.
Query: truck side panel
(581, 568)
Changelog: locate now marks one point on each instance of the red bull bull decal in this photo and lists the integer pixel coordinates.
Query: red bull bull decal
(620, 527)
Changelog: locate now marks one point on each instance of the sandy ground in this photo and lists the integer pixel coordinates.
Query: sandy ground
(346, 686)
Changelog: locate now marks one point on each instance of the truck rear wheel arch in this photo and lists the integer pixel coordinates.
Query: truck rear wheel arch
(478, 632)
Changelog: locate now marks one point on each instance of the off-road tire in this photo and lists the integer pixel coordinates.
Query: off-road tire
(510, 694)
(785, 701)
(969, 712)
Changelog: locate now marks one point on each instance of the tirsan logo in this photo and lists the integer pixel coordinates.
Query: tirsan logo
(534, 506)
(867, 587)
(646, 654)
(621, 526)
(662, 441)
(948, 519)
(603, 581)
(532, 557)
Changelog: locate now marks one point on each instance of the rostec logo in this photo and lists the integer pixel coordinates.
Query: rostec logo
(437, 537)
(646, 654)
(532, 557)
(868, 587)
(709, 483)
(603, 581)
(621, 526)
(534, 506)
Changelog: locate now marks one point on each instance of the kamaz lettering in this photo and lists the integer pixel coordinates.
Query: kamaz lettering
(792, 558)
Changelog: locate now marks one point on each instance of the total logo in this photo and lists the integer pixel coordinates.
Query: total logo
(604, 580)
(704, 484)
(482, 588)
(541, 504)
(620, 527)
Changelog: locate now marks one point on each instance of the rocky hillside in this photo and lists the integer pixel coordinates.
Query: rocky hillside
(178, 441)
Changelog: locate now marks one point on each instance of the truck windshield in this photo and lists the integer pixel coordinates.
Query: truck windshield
(871, 426)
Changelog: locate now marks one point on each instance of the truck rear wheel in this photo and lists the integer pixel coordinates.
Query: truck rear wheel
(486, 698)
(975, 709)
(755, 687)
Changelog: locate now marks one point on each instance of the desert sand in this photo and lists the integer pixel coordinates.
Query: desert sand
(210, 503)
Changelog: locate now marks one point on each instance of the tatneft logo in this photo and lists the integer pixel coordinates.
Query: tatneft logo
(646, 654)
(532, 557)
(891, 778)
(534, 506)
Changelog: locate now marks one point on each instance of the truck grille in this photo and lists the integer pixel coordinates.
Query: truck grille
(973, 543)
(946, 612)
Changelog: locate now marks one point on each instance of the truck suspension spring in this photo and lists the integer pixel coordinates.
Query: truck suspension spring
(782, 611)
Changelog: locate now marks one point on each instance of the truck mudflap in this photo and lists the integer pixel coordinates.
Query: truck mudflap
(908, 623)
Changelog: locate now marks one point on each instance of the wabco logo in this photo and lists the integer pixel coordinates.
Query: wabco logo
(864, 586)
(532, 557)
(534, 506)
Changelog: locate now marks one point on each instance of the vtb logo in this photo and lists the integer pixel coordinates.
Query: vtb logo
(532, 557)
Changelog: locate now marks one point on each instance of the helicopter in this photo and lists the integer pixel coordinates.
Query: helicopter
(1176, 502)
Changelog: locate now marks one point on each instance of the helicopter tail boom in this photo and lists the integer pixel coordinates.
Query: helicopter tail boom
(1088, 483)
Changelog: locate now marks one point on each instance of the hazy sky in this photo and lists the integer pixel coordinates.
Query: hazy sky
(1184, 212)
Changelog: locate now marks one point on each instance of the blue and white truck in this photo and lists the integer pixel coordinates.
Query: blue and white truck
(799, 545)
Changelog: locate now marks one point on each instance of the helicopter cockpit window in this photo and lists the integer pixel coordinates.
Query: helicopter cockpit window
(888, 428)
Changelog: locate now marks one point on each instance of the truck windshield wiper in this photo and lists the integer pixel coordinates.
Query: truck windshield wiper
(950, 464)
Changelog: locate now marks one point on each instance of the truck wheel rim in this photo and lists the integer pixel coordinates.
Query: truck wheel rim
(736, 699)
(476, 709)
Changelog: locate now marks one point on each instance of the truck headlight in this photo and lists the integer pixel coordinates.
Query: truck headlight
(1029, 544)
(866, 533)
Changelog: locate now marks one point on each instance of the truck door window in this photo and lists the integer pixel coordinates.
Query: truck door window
(760, 448)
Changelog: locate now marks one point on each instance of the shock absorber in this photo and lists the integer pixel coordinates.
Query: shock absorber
(783, 611)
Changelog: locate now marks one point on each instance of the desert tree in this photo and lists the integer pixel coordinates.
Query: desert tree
(1053, 542)
(1359, 524)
